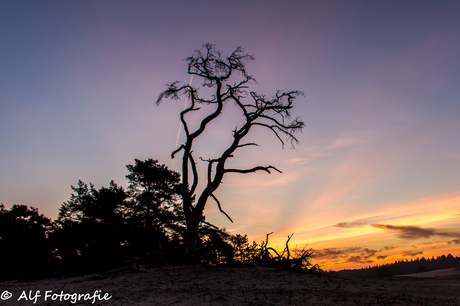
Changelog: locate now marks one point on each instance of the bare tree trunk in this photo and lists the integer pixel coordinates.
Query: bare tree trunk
(191, 239)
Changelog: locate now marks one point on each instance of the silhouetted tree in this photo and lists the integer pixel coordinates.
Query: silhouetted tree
(214, 246)
(99, 228)
(91, 228)
(228, 79)
(155, 213)
(25, 251)
(155, 191)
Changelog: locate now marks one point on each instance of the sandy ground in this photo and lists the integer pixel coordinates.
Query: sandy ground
(197, 285)
(436, 273)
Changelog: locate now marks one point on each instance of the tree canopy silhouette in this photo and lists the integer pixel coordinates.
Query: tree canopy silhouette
(154, 192)
(99, 228)
(228, 79)
(25, 251)
(155, 213)
(92, 228)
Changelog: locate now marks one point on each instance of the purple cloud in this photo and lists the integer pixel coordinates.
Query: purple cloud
(353, 254)
(357, 223)
(412, 254)
(334, 253)
(415, 232)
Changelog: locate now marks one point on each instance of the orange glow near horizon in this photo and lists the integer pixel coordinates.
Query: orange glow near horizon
(431, 230)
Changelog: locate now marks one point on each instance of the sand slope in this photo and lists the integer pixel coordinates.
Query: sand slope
(436, 273)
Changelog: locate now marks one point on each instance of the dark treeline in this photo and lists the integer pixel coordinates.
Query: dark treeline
(406, 267)
(101, 229)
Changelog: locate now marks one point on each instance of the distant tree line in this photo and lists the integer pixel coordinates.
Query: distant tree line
(101, 229)
(407, 266)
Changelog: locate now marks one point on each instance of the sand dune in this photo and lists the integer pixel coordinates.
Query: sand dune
(197, 285)
(436, 273)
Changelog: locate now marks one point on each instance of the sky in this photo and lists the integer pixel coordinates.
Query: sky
(375, 178)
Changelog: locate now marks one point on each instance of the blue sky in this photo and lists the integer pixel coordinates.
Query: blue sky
(78, 82)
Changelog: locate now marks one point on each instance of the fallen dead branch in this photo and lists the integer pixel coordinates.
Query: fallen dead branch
(288, 259)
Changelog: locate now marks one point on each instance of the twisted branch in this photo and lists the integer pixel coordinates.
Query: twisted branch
(220, 208)
(266, 169)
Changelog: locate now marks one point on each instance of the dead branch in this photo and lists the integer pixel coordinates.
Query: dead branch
(300, 261)
(220, 208)
(252, 170)
(176, 151)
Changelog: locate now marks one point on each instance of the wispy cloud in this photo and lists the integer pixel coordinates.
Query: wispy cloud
(353, 255)
(317, 152)
(343, 142)
(358, 259)
(407, 231)
(334, 253)
(309, 155)
(357, 223)
(412, 254)
(415, 232)
(387, 248)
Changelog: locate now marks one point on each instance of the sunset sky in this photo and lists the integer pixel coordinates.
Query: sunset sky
(376, 177)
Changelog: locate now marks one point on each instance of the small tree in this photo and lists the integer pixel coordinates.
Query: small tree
(228, 79)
